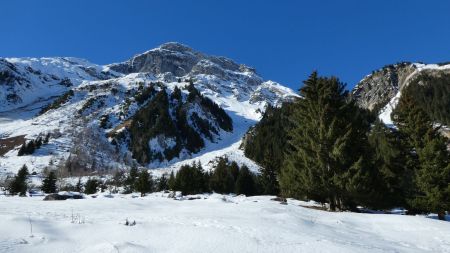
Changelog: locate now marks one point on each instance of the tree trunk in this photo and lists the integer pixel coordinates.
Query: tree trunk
(333, 203)
(339, 204)
(441, 215)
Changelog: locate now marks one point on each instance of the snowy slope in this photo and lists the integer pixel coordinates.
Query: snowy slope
(109, 90)
(214, 223)
(27, 80)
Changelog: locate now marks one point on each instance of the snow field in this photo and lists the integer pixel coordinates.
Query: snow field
(213, 223)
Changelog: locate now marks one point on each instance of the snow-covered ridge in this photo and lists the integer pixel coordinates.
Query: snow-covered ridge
(27, 80)
(28, 84)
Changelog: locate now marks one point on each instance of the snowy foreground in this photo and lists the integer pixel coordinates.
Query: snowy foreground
(213, 223)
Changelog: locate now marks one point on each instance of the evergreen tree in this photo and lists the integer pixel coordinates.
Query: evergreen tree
(269, 171)
(30, 147)
(144, 183)
(222, 181)
(79, 186)
(91, 186)
(27, 148)
(163, 183)
(49, 183)
(189, 179)
(118, 180)
(22, 150)
(433, 177)
(176, 94)
(270, 135)
(412, 122)
(130, 181)
(245, 183)
(47, 138)
(19, 184)
(392, 180)
(325, 160)
(38, 142)
(171, 183)
(234, 170)
(428, 155)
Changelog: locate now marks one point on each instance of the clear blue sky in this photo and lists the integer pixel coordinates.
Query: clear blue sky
(283, 40)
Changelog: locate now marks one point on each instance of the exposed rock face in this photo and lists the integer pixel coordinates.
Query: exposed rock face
(382, 90)
(378, 88)
(180, 60)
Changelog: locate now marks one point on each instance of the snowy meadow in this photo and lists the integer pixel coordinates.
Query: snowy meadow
(207, 223)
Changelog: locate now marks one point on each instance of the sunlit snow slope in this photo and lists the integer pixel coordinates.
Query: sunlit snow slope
(28, 84)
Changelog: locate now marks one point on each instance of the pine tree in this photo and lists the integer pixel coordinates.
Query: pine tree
(118, 180)
(270, 134)
(49, 183)
(79, 185)
(47, 138)
(428, 155)
(392, 179)
(38, 142)
(222, 181)
(433, 177)
(144, 183)
(163, 183)
(269, 172)
(91, 186)
(30, 147)
(412, 121)
(171, 183)
(22, 150)
(234, 170)
(245, 183)
(19, 183)
(324, 161)
(190, 179)
(130, 181)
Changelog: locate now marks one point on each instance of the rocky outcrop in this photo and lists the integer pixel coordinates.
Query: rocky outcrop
(378, 88)
(180, 60)
(381, 90)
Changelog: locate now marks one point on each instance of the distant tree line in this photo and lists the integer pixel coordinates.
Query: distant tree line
(57, 102)
(226, 177)
(29, 147)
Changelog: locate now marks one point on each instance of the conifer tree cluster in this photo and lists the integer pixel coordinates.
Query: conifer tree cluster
(227, 177)
(57, 102)
(266, 142)
(91, 186)
(323, 147)
(29, 147)
(170, 116)
(325, 159)
(431, 93)
(427, 157)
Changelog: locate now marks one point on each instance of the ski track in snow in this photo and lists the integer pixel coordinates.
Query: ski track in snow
(214, 223)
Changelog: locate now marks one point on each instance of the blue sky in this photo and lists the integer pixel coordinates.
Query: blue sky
(283, 40)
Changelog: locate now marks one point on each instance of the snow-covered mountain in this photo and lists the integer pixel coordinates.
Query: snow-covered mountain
(382, 89)
(114, 113)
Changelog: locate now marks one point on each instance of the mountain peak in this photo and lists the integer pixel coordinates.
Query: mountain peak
(176, 46)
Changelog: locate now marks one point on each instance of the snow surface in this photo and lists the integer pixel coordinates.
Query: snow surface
(212, 223)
